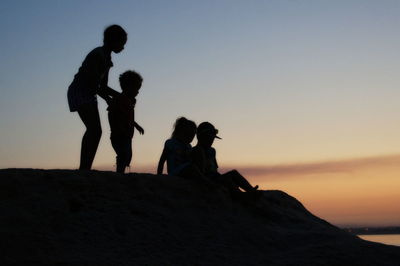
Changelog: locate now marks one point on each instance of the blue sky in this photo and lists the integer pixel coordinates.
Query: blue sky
(284, 81)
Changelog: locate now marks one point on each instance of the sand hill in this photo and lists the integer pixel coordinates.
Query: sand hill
(64, 217)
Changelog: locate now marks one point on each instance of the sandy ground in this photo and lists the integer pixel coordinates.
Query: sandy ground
(64, 217)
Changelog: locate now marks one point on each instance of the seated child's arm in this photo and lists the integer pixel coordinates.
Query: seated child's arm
(163, 158)
(139, 128)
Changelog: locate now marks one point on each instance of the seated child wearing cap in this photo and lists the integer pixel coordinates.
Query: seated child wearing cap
(204, 157)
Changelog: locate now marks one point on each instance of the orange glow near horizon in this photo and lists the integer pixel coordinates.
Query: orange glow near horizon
(362, 192)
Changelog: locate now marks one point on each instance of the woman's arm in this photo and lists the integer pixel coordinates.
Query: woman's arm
(106, 92)
(163, 158)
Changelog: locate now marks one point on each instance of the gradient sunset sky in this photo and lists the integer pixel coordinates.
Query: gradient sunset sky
(305, 93)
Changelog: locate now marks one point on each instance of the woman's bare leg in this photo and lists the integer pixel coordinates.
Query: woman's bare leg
(90, 117)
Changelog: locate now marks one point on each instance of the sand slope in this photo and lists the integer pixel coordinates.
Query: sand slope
(64, 217)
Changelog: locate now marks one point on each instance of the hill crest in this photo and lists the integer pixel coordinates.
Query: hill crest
(66, 217)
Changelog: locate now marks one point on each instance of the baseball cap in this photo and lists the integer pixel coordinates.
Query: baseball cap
(206, 128)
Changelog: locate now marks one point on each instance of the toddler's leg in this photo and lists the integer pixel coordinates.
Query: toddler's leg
(123, 148)
(125, 155)
(120, 165)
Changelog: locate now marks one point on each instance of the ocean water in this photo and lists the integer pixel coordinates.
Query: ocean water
(385, 239)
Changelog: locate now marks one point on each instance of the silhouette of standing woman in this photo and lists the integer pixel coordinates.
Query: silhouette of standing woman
(90, 81)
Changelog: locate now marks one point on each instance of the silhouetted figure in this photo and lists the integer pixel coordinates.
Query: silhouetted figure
(177, 149)
(91, 80)
(204, 157)
(177, 153)
(121, 115)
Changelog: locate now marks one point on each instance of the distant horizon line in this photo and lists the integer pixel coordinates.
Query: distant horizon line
(326, 165)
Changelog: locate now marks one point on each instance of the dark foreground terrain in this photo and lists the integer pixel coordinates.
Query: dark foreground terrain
(64, 217)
